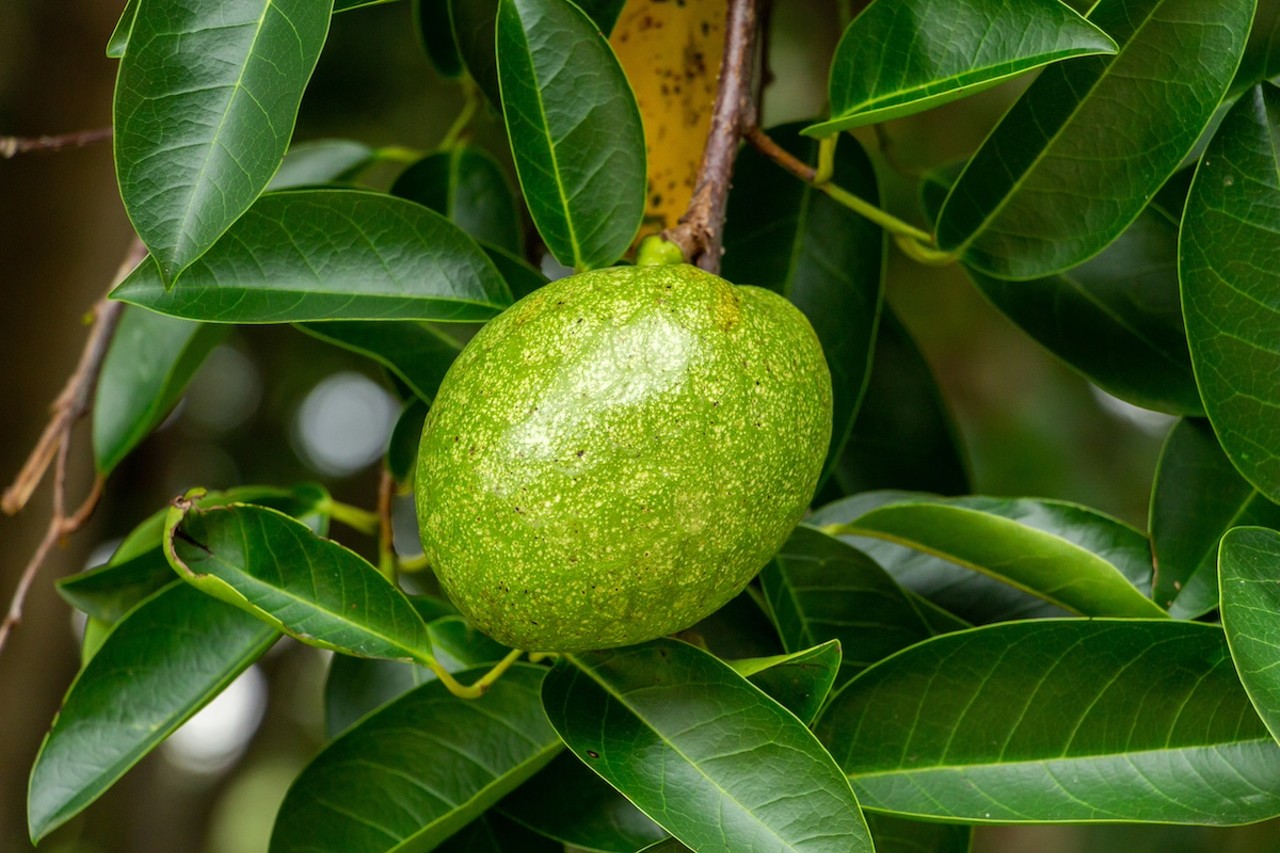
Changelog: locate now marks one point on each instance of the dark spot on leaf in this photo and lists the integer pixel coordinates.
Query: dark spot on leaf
(592, 753)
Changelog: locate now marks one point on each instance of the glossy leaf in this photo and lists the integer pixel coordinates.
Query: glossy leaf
(331, 255)
(435, 31)
(800, 681)
(321, 161)
(522, 278)
(819, 588)
(1262, 52)
(317, 591)
(170, 656)
(706, 755)
(1251, 615)
(1196, 498)
(492, 833)
(205, 105)
(970, 595)
(1049, 189)
(1230, 244)
(402, 449)
(356, 686)
(572, 805)
(138, 566)
(418, 770)
(417, 353)
(468, 187)
(1038, 722)
(575, 131)
(119, 39)
(148, 364)
(1116, 319)
(903, 436)
(898, 58)
(474, 27)
(603, 13)
(1068, 555)
(784, 235)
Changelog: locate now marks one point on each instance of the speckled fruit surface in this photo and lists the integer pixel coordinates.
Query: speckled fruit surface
(616, 456)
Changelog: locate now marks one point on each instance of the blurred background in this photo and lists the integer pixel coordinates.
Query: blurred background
(274, 406)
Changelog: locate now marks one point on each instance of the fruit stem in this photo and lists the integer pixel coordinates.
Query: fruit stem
(459, 126)
(481, 685)
(826, 160)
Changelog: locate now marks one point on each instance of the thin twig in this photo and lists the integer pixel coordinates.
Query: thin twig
(54, 447)
(11, 146)
(701, 230)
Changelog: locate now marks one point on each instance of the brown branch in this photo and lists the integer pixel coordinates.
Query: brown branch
(700, 232)
(54, 448)
(764, 143)
(11, 146)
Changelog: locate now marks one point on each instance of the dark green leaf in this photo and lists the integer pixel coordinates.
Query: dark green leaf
(418, 770)
(1251, 615)
(1084, 149)
(1196, 498)
(800, 681)
(356, 686)
(331, 255)
(474, 27)
(492, 833)
(819, 588)
(895, 835)
(205, 105)
(903, 436)
(603, 13)
(710, 758)
(1116, 318)
(1230, 246)
(970, 595)
(348, 5)
(314, 589)
(417, 353)
(522, 278)
(119, 39)
(784, 235)
(402, 450)
(148, 364)
(1068, 555)
(161, 664)
(468, 187)
(1262, 53)
(321, 161)
(1058, 721)
(138, 567)
(570, 804)
(898, 58)
(436, 34)
(575, 131)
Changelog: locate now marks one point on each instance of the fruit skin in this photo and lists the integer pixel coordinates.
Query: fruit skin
(616, 455)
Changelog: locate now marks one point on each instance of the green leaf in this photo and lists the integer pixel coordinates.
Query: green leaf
(492, 833)
(417, 353)
(420, 769)
(1077, 158)
(895, 835)
(331, 255)
(138, 567)
(162, 663)
(147, 367)
(898, 58)
(321, 161)
(356, 686)
(1068, 555)
(402, 449)
(1261, 59)
(1197, 496)
(522, 278)
(603, 13)
(1230, 243)
(969, 595)
(710, 758)
(1251, 615)
(572, 805)
(800, 681)
(435, 31)
(575, 131)
(819, 588)
(1116, 319)
(119, 39)
(903, 436)
(1058, 721)
(205, 104)
(474, 29)
(467, 186)
(317, 591)
(784, 235)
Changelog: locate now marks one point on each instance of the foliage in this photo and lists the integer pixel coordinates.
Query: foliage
(918, 661)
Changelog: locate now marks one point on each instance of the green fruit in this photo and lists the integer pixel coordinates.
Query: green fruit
(617, 455)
